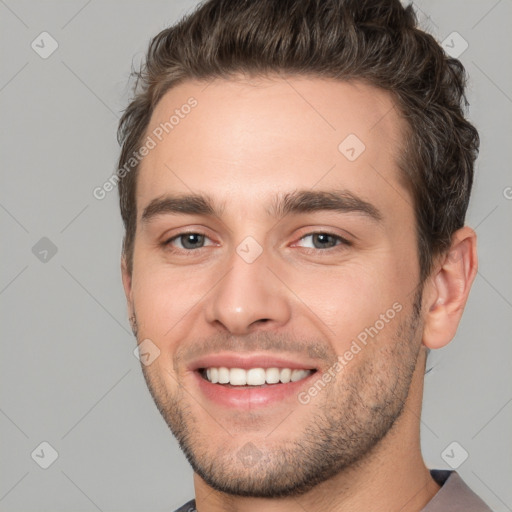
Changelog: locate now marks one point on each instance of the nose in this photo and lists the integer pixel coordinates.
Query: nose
(248, 297)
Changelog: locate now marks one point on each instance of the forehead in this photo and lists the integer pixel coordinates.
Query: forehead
(242, 141)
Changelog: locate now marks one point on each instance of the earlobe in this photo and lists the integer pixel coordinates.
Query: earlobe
(448, 288)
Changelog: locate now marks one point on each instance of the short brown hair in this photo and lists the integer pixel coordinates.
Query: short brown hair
(375, 41)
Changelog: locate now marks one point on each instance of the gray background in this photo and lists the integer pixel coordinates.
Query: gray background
(68, 373)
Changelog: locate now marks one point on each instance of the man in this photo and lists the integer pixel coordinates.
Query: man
(294, 178)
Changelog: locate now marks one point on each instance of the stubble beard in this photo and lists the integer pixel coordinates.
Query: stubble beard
(348, 421)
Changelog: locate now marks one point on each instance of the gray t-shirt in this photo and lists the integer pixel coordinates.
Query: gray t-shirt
(454, 496)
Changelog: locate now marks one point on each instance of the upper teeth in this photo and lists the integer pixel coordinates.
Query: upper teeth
(254, 376)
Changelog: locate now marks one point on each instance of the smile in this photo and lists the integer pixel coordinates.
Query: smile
(253, 376)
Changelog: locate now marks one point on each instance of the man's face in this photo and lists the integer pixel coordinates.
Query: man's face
(283, 246)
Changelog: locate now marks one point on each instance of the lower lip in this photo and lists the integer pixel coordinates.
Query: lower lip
(250, 397)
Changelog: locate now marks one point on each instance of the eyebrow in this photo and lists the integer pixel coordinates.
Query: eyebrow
(305, 201)
(301, 201)
(190, 204)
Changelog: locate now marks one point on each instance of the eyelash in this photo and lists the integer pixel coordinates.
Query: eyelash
(167, 243)
(340, 242)
(339, 239)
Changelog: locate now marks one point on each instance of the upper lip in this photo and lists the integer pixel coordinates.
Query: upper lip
(252, 360)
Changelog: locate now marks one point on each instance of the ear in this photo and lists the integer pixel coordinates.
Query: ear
(447, 289)
(127, 284)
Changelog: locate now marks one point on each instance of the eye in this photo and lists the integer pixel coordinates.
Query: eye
(189, 241)
(321, 241)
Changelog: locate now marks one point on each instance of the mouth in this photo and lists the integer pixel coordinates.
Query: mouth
(248, 381)
(253, 377)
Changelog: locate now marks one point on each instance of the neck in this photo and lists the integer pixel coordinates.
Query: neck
(393, 475)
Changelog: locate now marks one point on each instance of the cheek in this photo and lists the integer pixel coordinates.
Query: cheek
(403, 266)
(164, 300)
(343, 301)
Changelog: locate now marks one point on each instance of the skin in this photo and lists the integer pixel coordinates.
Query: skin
(245, 142)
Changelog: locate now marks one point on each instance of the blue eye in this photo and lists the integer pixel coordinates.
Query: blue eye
(188, 241)
(193, 241)
(321, 241)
